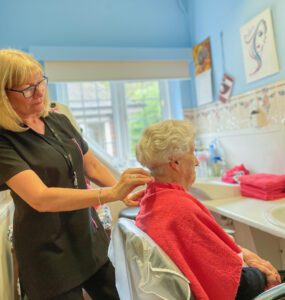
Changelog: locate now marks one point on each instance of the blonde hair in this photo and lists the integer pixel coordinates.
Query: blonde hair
(16, 68)
(165, 141)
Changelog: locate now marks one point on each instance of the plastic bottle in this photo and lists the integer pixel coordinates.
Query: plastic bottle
(218, 166)
(216, 160)
(202, 156)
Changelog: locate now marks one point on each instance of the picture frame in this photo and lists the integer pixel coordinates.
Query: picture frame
(258, 46)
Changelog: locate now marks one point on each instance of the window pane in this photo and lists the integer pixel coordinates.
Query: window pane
(114, 114)
(89, 91)
(90, 102)
(74, 91)
(143, 108)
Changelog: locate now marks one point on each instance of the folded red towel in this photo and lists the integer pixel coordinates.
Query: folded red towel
(277, 190)
(249, 191)
(265, 182)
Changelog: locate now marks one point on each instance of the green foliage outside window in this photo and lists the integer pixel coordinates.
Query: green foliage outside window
(144, 108)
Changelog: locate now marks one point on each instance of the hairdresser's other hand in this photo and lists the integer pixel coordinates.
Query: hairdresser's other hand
(253, 260)
(134, 198)
(129, 180)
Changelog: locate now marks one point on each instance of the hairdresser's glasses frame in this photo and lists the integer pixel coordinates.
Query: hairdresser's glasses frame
(31, 88)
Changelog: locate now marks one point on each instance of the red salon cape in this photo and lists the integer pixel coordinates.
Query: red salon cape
(187, 232)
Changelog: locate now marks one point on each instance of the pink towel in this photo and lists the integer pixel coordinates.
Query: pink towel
(248, 191)
(188, 233)
(232, 175)
(265, 182)
(263, 186)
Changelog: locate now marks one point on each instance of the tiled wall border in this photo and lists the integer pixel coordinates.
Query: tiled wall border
(237, 112)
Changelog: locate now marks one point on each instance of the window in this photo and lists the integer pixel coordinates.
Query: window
(112, 115)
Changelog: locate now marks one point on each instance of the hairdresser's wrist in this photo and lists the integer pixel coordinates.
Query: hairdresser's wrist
(106, 195)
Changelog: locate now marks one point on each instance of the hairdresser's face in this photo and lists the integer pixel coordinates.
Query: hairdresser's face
(187, 164)
(33, 105)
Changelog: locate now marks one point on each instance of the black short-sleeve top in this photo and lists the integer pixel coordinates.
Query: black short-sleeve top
(55, 251)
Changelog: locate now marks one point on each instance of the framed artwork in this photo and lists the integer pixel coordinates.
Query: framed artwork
(202, 57)
(226, 88)
(258, 45)
(203, 72)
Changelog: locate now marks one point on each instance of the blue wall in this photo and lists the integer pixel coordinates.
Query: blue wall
(96, 29)
(129, 24)
(211, 18)
(92, 23)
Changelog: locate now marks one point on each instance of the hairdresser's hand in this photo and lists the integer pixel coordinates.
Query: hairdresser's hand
(134, 198)
(253, 260)
(129, 180)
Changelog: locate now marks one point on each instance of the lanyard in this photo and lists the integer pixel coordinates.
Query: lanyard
(67, 156)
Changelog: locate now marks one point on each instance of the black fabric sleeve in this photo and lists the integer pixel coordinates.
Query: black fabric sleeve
(11, 162)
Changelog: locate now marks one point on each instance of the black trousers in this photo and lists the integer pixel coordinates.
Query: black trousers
(252, 283)
(101, 286)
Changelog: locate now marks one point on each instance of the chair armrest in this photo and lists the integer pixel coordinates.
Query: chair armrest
(272, 294)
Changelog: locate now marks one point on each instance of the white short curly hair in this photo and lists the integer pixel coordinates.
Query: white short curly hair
(165, 141)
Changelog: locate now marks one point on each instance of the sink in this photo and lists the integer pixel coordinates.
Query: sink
(214, 189)
(276, 215)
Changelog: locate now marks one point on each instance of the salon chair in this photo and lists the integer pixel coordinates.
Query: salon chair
(129, 212)
(275, 293)
(143, 270)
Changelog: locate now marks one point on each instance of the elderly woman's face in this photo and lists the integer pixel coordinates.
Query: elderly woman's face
(28, 99)
(188, 162)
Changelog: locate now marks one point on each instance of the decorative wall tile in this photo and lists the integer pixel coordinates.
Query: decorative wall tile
(236, 113)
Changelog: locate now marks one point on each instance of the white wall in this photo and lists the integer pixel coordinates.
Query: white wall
(261, 150)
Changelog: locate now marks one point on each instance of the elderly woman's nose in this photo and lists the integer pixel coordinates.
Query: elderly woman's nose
(196, 162)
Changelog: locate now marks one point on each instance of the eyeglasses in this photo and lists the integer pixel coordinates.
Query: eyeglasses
(29, 92)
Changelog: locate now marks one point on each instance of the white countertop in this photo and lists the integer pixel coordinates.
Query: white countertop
(249, 211)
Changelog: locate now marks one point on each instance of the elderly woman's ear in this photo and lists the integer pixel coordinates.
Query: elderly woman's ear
(174, 164)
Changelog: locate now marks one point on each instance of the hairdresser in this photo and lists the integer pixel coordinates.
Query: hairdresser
(59, 241)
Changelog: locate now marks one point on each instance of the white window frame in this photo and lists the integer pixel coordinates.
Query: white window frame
(119, 106)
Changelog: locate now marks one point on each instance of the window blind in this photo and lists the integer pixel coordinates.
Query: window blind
(70, 71)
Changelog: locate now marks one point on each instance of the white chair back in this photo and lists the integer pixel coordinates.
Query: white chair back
(143, 270)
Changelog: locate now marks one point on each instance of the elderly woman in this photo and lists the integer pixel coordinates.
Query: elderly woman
(59, 241)
(185, 229)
